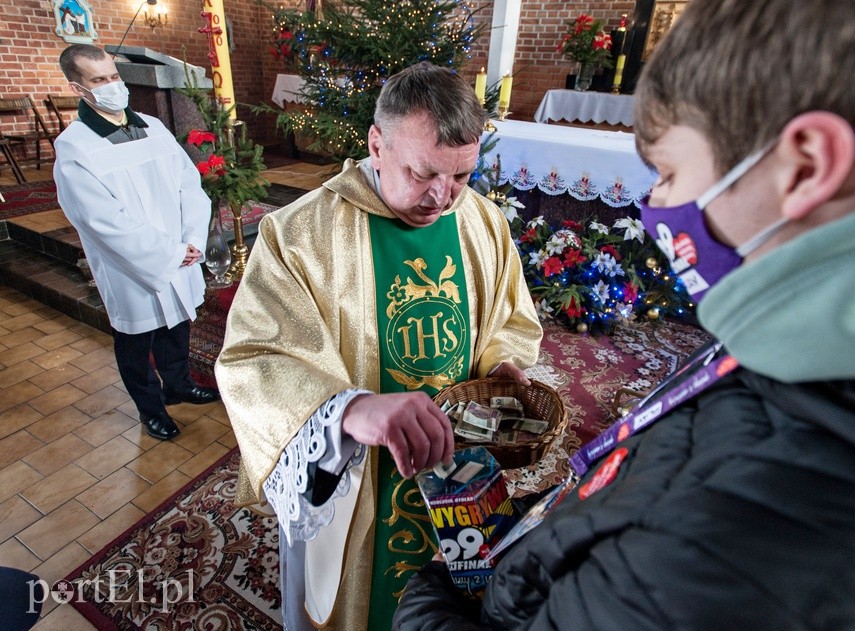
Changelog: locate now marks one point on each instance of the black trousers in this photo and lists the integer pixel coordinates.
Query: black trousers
(170, 349)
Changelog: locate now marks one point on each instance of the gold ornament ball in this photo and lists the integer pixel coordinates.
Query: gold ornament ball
(491, 195)
(651, 262)
(653, 314)
(581, 327)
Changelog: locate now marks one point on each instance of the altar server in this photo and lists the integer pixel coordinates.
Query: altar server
(136, 200)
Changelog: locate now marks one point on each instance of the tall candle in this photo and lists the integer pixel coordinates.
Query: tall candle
(481, 86)
(621, 62)
(505, 91)
(221, 65)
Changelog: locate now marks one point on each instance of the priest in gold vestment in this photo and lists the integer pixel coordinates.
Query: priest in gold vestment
(361, 301)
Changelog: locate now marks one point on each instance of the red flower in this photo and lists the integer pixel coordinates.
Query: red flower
(217, 163)
(528, 235)
(552, 265)
(630, 293)
(575, 226)
(573, 257)
(197, 137)
(204, 168)
(574, 310)
(610, 249)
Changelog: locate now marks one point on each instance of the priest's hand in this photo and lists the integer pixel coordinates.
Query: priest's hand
(510, 371)
(416, 432)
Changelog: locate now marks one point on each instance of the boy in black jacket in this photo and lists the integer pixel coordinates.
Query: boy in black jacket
(736, 510)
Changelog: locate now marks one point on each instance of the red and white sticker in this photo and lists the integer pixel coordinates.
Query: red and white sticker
(685, 248)
(605, 475)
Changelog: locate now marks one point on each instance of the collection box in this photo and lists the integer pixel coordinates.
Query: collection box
(470, 511)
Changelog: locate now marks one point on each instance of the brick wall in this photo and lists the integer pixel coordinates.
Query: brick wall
(538, 67)
(29, 47)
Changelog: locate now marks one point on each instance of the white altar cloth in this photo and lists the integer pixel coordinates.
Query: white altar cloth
(585, 107)
(585, 163)
(287, 88)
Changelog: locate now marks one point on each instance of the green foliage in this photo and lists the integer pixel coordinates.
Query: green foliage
(346, 56)
(233, 165)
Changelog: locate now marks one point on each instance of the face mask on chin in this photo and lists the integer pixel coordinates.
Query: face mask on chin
(682, 234)
(112, 97)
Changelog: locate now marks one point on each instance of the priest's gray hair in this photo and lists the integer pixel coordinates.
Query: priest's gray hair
(441, 93)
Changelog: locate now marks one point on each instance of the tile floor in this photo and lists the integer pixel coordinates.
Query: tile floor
(76, 467)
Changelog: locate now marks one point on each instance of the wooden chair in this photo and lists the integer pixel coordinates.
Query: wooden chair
(5, 147)
(57, 103)
(23, 106)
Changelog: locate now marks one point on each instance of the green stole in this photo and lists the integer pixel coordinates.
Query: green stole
(423, 328)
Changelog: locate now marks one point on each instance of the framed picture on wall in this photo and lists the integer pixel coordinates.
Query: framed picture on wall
(74, 21)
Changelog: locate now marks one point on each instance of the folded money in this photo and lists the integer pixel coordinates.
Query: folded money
(533, 425)
(473, 432)
(482, 416)
(506, 403)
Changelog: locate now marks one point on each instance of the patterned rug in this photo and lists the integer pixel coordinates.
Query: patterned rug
(206, 334)
(195, 562)
(27, 198)
(221, 563)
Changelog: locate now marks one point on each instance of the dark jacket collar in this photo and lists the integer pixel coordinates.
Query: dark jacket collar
(101, 125)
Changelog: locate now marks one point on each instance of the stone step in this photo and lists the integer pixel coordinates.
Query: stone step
(51, 280)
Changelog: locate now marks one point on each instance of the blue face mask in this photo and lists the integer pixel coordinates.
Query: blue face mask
(682, 234)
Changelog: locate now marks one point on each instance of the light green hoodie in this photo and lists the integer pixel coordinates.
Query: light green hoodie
(790, 315)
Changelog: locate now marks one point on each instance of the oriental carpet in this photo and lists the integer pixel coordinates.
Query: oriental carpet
(230, 555)
(24, 199)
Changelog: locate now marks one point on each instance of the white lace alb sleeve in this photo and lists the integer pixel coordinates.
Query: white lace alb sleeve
(318, 441)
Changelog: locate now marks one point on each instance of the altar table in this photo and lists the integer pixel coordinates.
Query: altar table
(287, 89)
(585, 107)
(587, 164)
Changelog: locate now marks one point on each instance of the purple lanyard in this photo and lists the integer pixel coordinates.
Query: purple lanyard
(698, 374)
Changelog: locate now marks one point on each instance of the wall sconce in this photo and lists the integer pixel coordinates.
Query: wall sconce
(156, 17)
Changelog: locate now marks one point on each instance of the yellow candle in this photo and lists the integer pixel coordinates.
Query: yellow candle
(505, 91)
(621, 61)
(221, 63)
(481, 86)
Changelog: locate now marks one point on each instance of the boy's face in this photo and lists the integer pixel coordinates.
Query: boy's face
(684, 159)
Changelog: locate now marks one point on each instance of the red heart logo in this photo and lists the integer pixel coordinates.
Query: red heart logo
(685, 248)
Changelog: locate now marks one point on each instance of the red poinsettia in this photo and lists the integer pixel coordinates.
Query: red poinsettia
(529, 235)
(552, 265)
(573, 257)
(215, 166)
(197, 137)
(630, 293)
(575, 226)
(573, 310)
(610, 249)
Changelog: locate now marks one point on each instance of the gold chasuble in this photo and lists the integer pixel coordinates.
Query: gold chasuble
(310, 320)
(423, 325)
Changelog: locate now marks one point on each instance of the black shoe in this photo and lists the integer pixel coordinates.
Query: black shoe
(161, 427)
(197, 395)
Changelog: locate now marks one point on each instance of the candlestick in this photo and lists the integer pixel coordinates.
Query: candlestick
(481, 86)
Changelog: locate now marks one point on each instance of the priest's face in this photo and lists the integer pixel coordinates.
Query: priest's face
(418, 178)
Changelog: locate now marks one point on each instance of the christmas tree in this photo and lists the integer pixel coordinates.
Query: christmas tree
(346, 55)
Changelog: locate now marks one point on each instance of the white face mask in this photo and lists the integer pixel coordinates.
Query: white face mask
(112, 97)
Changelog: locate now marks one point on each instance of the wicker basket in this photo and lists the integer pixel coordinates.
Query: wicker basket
(539, 402)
